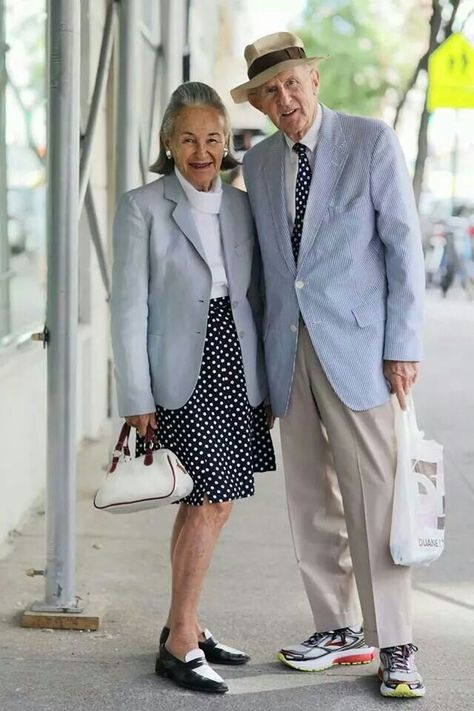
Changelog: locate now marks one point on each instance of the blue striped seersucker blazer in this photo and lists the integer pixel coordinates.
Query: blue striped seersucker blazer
(359, 281)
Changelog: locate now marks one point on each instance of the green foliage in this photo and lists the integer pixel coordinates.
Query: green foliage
(364, 59)
(26, 35)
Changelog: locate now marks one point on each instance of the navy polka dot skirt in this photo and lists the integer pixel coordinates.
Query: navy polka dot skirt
(219, 437)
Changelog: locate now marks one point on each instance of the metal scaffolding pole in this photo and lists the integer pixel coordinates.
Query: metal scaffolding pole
(61, 313)
(4, 246)
(173, 22)
(128, 116)
(97, 100)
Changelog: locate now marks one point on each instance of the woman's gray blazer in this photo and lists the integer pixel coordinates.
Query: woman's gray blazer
(161, 290)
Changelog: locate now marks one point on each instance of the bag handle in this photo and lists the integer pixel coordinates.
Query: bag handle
(415, 432)
(122, 444)
(149, 442)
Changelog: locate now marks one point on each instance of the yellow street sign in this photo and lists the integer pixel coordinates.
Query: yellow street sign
(451, 75)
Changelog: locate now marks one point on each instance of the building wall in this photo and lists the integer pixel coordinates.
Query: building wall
(23, 416)
(23, 400)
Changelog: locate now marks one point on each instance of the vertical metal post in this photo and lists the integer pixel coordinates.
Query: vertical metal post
(454, 161)
(187, 49)
(97, 99)
(173, 15)
(61, 314)
(128, 116)
(4, 246)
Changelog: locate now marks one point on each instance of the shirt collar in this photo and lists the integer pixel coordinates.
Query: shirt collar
(209, 202)
(310, 139)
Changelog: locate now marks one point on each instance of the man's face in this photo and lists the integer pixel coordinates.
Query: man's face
(289, 100)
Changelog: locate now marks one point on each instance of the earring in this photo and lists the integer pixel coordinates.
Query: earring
(168, 153)
(226, 152)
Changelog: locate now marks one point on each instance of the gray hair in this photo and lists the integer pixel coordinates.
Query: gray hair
(191, 93)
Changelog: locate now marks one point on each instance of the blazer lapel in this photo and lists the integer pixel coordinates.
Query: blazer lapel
(230, 237)
(182, 212)
(274, 173)
(331, 155)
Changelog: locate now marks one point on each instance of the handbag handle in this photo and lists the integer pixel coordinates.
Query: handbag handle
(122, 444)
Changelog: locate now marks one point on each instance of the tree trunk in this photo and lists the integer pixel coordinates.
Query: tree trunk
(421, 155)
(435, 26)
(436, 22)
(422, 64)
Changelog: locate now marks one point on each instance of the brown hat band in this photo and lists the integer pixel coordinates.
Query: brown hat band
(272, 58)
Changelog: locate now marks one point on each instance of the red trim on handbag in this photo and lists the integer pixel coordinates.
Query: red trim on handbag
(151, 498)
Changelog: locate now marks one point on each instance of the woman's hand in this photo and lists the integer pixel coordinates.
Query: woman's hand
(141, 422)
(270, 416)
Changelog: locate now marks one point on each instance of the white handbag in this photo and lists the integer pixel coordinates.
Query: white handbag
(135, 484)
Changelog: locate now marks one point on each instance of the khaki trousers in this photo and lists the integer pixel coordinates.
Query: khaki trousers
(339, 471)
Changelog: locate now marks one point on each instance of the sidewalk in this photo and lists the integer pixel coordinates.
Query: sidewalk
(253, 598)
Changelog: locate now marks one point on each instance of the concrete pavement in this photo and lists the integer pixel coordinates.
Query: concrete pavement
(253, 597)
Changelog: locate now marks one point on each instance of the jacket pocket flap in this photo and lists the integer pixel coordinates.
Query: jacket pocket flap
(370, 312)
(352, 204)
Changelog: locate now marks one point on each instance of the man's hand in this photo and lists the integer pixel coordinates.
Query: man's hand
(401, 374)
(141, 422)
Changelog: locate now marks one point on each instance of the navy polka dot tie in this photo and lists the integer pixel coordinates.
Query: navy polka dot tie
(303, 181)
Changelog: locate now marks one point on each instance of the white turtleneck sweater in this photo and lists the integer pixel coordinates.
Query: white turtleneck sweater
(205, 207)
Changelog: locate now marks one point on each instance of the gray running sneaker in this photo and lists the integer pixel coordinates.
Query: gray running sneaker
(326, 649)
(398, 673)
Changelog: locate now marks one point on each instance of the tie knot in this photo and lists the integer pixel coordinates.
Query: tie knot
(300, 149)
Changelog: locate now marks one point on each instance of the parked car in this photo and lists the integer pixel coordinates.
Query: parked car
(16, 234)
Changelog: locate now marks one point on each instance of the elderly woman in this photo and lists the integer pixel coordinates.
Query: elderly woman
(186, 318)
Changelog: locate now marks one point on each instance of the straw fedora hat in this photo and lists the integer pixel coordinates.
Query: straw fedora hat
(268, 56)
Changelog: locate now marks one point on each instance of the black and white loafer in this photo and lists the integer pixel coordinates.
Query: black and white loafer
(216, 653)
(194, 673)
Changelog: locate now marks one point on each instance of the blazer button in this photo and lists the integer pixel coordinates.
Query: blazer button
(235, 303)
(299, 284)
(293, 328)
(241, 334)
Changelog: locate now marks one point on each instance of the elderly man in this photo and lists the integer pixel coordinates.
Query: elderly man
(344, 283)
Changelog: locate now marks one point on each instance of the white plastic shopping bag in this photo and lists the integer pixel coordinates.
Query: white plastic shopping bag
(418, 518)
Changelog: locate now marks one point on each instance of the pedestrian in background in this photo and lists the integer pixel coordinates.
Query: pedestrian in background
(457, 257)
(344, 285)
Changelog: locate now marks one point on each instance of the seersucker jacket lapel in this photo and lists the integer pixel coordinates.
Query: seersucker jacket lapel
(331, 155)
(274, 172)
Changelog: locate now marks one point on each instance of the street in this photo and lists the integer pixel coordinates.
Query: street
(253, 598)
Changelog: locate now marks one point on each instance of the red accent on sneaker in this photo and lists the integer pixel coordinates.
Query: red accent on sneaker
(355, 658)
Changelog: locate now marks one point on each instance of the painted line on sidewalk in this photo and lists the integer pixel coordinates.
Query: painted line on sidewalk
(276, 682)
(271, 682)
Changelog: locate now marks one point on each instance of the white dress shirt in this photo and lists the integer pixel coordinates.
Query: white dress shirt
(205, 207)
(291, 163)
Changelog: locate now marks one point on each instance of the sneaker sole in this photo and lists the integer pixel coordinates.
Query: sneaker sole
(402, 691)
(344, 660)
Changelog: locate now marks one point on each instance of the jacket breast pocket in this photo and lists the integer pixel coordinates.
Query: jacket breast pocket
(352, 205)
(370, 312)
